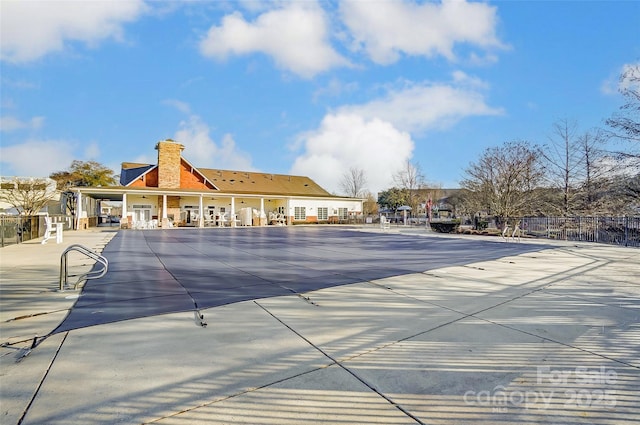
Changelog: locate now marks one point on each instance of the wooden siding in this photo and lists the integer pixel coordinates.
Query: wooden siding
(149, 179)
(191, 178)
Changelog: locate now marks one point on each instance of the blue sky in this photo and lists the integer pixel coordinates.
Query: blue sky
(303, 87)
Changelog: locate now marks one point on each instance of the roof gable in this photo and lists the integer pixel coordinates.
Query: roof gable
(192, 178)
(131, 172)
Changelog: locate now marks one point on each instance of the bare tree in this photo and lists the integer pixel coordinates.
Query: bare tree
(624, 183)
(630, 193)
(411, 179)
(27, 195)
(625, 123)
(354, 182)
(504, 181)
(563, 162)
(594, 172)
(617, 186)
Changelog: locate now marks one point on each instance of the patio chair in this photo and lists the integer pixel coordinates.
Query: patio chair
(51, 227)
(505, 231)
(140, 225)
(384, 223)
(273, 218)
(517, 232)
(235, 221)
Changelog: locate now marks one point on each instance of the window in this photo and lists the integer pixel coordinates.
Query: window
(323, 213)
(343, 213)
(300, 213)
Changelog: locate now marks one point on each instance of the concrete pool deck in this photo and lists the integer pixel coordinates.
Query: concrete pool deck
(530, 332)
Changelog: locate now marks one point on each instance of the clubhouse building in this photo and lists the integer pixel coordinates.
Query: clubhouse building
(174, 193)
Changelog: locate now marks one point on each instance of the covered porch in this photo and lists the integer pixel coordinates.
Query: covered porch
(148, 209)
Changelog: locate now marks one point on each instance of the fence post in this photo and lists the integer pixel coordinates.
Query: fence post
(626, 230)
(548, 232)
(580, 228)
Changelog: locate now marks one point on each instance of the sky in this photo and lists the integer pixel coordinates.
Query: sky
(309, 87)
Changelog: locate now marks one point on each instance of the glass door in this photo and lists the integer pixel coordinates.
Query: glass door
(141, 215)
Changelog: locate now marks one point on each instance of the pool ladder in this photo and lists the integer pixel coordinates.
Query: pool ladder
(93, 274)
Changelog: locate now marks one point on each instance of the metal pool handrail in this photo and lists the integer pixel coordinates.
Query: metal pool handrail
(94, 274)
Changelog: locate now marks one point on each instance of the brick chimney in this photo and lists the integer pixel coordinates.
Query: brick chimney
(169, 154)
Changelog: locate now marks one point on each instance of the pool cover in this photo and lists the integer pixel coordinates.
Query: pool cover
(154, 272)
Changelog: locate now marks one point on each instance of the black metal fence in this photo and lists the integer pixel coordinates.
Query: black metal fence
(623, 230)
(15, 229)
(610, 230)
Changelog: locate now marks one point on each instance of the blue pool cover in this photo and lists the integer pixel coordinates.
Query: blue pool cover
(154, 272)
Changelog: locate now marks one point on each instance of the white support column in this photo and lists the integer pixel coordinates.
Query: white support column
(165, 219)
(262, 214)
(201, 217)
(232, 213)
(78, 210)
(287, 216)
(124, 210)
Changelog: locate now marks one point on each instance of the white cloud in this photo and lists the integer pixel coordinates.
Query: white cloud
(92, 151)
(387, 29)
(609, 87)
(231, 156)
(377, 136)
(347, 140)
(418, 107)
(179, 105)
(334, 88)
(295, 36)
(476, 59)
(614, 84)
(631, 80)
(32, 29)
(20, 84)
(463, 79)
(206, 153)
(36, 158)
(259, 5)
(9, 123)
(142, 159)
